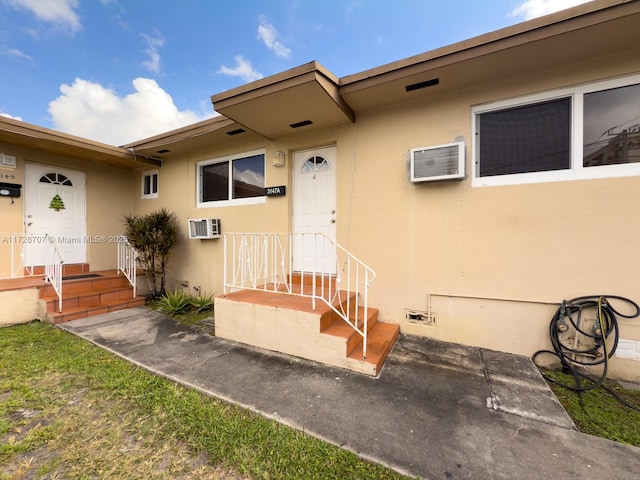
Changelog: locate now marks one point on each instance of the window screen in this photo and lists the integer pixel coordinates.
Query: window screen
(529, 138)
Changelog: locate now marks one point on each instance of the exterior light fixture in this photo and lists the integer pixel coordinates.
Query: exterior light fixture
(279, 158)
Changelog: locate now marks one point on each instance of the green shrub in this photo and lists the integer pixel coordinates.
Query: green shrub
(154, 236)
(202, 302)
(175, 303)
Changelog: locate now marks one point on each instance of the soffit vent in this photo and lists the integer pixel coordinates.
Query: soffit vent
(236, 131)
(425, 84)
(303, 123)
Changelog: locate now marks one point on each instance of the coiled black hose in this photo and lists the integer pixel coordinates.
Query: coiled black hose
(604, 334)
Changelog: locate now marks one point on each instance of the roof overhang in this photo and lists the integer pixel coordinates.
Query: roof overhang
(589, 31)
(214, 131)
(26, 135)
(305, 98)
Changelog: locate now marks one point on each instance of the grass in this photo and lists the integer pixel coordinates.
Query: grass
(598, 412)
(69, 409)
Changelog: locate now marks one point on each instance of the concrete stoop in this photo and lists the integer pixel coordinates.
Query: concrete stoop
(288, 324)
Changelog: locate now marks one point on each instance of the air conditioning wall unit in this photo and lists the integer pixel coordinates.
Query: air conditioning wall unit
(7, 161)
(439, 162)
(203, 228)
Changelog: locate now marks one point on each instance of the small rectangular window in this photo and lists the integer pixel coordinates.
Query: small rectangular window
(239, 179)
(150, 184)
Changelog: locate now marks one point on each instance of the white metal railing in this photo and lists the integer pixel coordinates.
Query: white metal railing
(13, 254)
(322, 269)
(53, 267)
(127, 261)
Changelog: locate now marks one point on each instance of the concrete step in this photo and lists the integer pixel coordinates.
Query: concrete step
(380, 341)
(85, 294)
(76, 313)
(73, 286)
(88, 298)
(340, 328)
(67, 269)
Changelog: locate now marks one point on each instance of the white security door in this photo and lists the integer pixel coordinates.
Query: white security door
(314, 210)
(67, 225)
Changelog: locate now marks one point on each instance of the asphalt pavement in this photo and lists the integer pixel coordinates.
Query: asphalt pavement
(436, 411)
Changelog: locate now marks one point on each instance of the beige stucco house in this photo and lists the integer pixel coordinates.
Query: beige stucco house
(483, 183)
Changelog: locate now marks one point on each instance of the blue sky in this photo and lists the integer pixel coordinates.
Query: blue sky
(117, 71)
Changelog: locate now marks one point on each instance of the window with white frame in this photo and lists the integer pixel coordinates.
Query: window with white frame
(150, 184)
(233, 180)
(589, 131)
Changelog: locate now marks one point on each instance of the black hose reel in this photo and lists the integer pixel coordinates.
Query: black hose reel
(584, 333)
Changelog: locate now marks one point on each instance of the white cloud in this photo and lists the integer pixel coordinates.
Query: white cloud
(269, 35)
(153, 44)
(60, 13)
(537, 8)
(10, 116)
(243, 69)
(249, 176)
(14, 52)
(92, 111)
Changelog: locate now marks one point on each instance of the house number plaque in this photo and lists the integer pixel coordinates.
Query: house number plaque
(275, 191)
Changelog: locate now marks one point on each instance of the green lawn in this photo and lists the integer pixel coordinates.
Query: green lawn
(598, 412)
(69, 409)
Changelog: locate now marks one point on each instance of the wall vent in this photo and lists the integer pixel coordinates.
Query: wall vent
(7, 161)
(440, 162)
(417, 316)
(203, 228)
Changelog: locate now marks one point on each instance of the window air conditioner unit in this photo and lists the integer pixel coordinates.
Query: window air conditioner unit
(8, 161)
(440, 162)
(204, 228)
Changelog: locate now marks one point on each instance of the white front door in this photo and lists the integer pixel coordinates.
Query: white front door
(314, 209)
(67, 225)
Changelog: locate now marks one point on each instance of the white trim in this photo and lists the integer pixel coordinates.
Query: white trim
(153, 194)
(577, 170)
(231, 202)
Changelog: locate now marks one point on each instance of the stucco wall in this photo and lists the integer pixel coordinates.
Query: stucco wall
(18, 306)
(490, 261)
(108, 198)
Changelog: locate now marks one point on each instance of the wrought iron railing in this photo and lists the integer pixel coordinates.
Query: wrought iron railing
(323, 270)
(127, 261)
(13, 254)
(53, 267)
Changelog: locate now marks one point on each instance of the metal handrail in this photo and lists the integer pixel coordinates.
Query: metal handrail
(127, 261)
(53, 267)
(13, 246)
(264, 261)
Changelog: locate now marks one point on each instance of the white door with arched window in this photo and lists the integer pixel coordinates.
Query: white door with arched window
(314, 209)
(54, 205)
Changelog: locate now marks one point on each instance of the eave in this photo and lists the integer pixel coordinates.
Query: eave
(215, 131)
(589, 31)
(305, 98)
(22, 134)
(310, 97)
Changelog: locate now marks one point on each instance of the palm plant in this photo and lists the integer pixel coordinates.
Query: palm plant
(153, 235)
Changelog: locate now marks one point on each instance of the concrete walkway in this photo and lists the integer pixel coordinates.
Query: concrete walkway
(437, 410)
